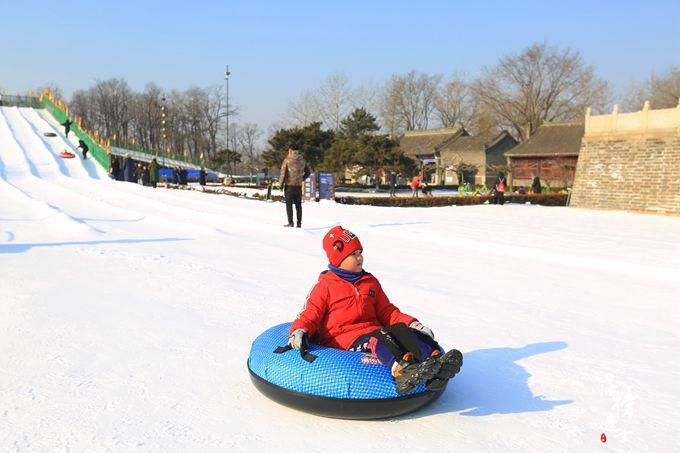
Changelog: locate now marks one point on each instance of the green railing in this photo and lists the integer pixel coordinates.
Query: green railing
(98, 151)
(20, 101)
(157, 153)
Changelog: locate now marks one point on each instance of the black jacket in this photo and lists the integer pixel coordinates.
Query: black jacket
(129, 169)
(183, 177)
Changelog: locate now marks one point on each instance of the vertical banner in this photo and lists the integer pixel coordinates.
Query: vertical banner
(326, 186)
(309, 192)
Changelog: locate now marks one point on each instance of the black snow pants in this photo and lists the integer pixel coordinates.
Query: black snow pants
(293, 195)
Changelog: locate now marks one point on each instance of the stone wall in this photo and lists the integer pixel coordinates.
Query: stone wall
(631, 165)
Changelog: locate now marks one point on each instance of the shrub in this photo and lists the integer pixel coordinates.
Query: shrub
(421, 202)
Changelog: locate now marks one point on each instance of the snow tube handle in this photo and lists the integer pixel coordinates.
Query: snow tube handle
(306, 356)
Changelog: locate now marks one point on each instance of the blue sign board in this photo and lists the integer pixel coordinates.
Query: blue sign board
(326, 186)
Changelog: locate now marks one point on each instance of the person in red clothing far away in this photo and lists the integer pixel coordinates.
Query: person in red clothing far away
(348, 309)
(416, 184)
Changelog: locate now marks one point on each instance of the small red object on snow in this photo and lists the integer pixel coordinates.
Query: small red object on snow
(603, 438)
(66, 155)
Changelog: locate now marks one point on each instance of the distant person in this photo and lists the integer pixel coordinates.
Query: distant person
(427, 190)
(183, 176)
(415, 185)
(0, 99)
(175, 176)
(201, 176)
(270, 183)
(83, 146)
(67, 126)
(153, 172)
(499, 189)
(145, 175)
(393, 184)
(114, 169)
(294, 171)
(536, 185)
(129, 168)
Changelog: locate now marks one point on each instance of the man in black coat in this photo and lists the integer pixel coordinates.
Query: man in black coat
(129, 169)
(83, 146)
(201, 176)
(393, 184)
(114, 170)
(67, 126)
(183, 176)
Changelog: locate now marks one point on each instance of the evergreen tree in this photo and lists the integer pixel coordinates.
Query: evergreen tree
(224, 158)
(358, 123)
(311, 141)
(376, 154)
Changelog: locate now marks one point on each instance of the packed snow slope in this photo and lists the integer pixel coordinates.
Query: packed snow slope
(127, 313)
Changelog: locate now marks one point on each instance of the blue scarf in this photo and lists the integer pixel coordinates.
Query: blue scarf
(346, 275)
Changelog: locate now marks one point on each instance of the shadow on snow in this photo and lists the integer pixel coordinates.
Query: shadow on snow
(491, 382)
(20, 248)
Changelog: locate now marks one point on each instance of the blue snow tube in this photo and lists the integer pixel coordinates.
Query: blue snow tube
(329, 382)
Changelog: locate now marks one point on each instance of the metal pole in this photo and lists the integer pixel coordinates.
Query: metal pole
(163, 141)
(226, 78)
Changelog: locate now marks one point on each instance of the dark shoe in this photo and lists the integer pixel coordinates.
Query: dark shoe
(450, 364)
(408, 373)
(299, 225)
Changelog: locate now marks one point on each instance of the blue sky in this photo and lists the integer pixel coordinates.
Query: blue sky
(276, 49)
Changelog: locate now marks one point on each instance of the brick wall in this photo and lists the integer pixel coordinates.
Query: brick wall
(632, 174)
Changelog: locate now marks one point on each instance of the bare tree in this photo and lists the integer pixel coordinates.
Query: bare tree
(111, 101)
(80, 105)
(666, 89)
(334, 100)
(367, 96)
(662, 91)
(540, 84)
(55, 89)
(408, 101)
(146, 117)
(452, 104)
(303, 111)
(214, 109)
(249, 136)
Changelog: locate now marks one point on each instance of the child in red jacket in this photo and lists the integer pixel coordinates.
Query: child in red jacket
(348, 309)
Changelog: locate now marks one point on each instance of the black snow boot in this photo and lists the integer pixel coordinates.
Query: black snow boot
(408, 373)
(450, 364)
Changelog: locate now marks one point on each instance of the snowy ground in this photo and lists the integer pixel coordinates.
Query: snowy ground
(126, 316)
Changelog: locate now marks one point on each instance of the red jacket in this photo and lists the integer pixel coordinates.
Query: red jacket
(340, 312)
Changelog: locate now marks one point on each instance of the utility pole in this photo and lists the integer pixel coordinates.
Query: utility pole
(164, 142)
(226, 80)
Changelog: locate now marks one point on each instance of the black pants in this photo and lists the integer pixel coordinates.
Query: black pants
(293, 195)
(499, 198)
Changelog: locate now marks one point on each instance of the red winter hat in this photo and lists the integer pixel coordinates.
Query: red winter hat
(340, 243)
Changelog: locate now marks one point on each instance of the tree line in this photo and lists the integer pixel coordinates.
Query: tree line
(518, 93)
(190, 122)
(356, 127)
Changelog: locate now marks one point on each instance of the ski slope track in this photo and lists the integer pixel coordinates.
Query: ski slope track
(127, 313)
